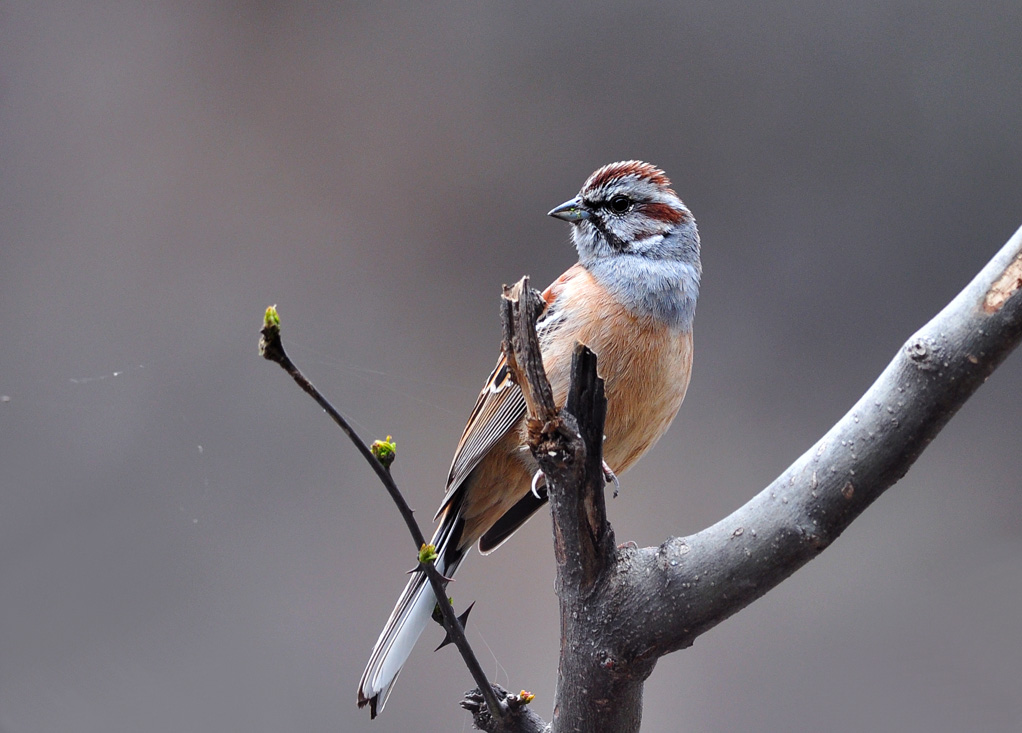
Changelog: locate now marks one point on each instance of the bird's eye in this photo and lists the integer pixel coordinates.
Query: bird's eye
(620, 204)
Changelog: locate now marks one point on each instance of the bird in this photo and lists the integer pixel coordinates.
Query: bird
(631, 299)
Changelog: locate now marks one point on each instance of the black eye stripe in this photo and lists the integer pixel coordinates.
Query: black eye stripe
(618, 204)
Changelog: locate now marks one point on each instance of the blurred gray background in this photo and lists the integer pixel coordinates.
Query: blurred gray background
(187, 544)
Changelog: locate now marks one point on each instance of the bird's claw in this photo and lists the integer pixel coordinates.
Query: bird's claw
(611, 478)
(536, 478)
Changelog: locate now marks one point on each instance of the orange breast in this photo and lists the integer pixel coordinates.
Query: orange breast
(645, 366)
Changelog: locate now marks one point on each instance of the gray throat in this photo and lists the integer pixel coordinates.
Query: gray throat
(663, 289)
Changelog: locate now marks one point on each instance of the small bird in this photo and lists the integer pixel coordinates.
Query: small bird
(630, 298)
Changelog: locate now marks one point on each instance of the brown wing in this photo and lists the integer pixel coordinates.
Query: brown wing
(499, 406)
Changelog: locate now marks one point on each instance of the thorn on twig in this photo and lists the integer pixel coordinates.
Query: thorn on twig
(462, 619)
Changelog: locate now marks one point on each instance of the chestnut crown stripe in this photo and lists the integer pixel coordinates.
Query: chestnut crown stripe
(616, 171)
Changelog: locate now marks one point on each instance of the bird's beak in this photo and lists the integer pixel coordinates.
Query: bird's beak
(573, 211)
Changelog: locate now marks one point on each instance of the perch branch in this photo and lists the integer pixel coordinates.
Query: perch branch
(659, 599)
(568, 448)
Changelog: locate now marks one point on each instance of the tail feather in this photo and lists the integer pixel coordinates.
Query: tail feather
(407, 621)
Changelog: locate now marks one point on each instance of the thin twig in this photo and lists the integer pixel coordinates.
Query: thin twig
(271, 348)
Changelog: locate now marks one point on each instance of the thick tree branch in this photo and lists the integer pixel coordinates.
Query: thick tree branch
(658, 600)
(568, 448)
(579, 512)
(686, 586)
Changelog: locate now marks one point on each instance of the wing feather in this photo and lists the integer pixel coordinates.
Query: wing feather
(500, 405)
